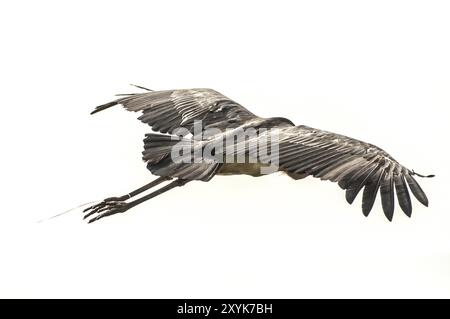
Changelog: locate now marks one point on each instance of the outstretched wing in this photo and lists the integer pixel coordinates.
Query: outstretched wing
(167, 110)
(351, 163)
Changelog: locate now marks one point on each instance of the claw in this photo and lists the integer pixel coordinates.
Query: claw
(95, 209)
(106, 213)
(105, 202)
(89, 208)
(87, 215)
(104, 209)
(92, 220)
(90, 213)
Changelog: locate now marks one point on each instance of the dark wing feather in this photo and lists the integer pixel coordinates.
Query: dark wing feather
(387, 195)
(353, 164)
(402, 194)
(416, 190)
(168, 110)
(353, 190)
(370, 192)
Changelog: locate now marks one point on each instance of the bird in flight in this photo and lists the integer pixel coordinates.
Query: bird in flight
(299, 151)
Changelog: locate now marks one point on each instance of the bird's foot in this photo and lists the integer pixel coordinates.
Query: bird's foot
(107, 207)
(94, 208)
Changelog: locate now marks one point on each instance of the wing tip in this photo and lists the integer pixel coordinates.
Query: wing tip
(366, 212)
(104, 106)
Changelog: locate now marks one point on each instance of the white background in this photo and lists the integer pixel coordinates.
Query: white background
(374, 70)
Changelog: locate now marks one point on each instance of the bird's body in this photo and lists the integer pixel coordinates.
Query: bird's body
(252, 169)
(203, 121)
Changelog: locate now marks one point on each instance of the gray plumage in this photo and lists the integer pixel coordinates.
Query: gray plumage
(303, 151)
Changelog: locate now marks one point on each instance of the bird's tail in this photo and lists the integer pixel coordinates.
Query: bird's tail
(174, 156)
(157, 146)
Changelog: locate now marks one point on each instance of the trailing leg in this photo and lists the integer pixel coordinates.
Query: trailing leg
(95, 208)
(122, 206)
